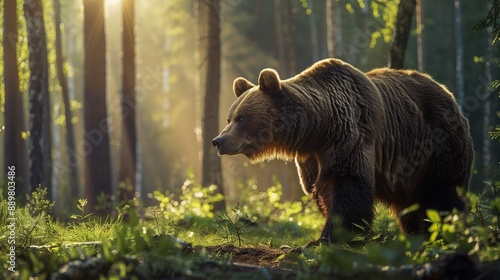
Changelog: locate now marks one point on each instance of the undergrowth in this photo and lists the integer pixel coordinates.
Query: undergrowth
(157, 242)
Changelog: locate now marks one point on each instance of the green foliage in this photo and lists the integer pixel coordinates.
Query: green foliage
(495, 134)
(475, 233)
(38, 207)
(193, 199)
(38, 204)
(232, 227)
(133, 251)
(385, 10)
(491, 20)
(147, 247)
(81, 206)
(269, 206)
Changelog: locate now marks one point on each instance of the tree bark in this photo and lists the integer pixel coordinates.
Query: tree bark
(292, 57)
(211, 168)
(15, 148)
(402, 30)
(489, 57)
(71, 156)
(128, 156)
(420, 35)
(459, 54)
(200, 10)
(330, 43)
(278, 31)
(314, 33)
(337, 31)
(96, 123)
(39, 141)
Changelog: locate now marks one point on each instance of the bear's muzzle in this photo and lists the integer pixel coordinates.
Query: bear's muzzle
(217, 142)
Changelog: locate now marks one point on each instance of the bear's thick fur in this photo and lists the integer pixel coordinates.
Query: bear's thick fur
(392, 135)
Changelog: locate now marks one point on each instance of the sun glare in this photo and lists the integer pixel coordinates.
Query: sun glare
(113, 2)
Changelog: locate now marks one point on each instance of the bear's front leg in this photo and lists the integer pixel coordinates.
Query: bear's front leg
(308, 170)
(349, 198)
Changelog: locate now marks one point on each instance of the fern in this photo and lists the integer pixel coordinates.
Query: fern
(491, 20)
(495, 134)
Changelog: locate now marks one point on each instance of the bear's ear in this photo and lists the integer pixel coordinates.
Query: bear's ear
(269, 81)
(240, 85)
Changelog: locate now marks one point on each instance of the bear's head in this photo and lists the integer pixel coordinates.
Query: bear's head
(255, 120)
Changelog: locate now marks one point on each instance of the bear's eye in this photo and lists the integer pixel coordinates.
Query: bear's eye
(239, 118)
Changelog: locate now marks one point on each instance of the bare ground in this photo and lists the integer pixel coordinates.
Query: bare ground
(261, 256)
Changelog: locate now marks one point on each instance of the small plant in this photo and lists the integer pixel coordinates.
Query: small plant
(232, 228)
(38, 204)
(82, 202)
(39, 208)
(123, 202)
(104, 203)
(160, 224)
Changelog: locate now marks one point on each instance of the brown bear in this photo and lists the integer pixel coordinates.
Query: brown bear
(396, 136)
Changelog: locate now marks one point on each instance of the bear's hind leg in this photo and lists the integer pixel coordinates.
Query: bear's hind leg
(443, 198)
(440, 197)
(412, 222)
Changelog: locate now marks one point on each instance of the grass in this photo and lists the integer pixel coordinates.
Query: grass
(144, 245)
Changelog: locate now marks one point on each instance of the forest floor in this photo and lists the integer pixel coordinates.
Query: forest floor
(180, 240)
(259, 256)
(271, 262)
(260, 262)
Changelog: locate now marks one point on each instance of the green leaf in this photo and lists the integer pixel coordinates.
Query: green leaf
(433, 236)
(449, 233)
(106, 250)
(433, 215)
(412, 208)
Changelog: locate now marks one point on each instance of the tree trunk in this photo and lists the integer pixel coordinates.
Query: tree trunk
(39, 141)
(292, 57)
(459, 54)
(15, 149)
(337, 30)
(56, 161)
(420, 35)
(200, 10)
(330, 42)
(71, 156)
(46, 134)
(212, 172)
(128, 156)
(314, 33)
(401, 34)
(489, 57)
(278, 31)
(96, 139)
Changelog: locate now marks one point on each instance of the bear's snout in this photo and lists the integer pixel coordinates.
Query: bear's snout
(217, 142)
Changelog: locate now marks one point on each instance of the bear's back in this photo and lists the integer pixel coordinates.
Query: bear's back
(423, 118)
(416, 98)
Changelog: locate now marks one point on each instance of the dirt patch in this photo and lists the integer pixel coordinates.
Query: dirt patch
(261, 256)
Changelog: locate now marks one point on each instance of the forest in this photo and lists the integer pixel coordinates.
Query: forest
(109, 108)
